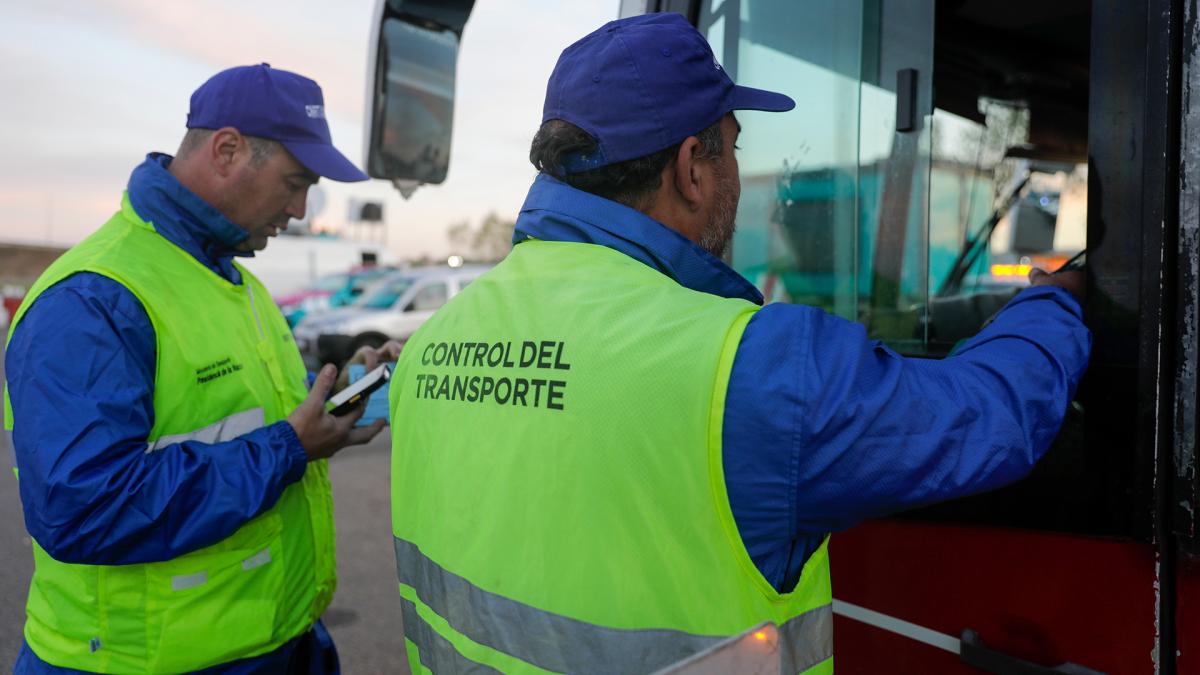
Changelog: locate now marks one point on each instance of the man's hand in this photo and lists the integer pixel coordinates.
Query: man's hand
(322, 434)
(369, 357)
(1073, 281)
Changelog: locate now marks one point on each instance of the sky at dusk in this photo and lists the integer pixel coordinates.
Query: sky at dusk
(90, 87)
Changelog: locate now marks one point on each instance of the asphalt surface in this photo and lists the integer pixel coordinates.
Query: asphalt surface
(365, 615)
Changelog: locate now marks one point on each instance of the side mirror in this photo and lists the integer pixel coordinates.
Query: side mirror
(411, 109)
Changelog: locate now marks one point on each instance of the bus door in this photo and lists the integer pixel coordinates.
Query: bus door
(937, 151)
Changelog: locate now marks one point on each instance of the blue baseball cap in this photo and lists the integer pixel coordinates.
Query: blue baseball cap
(276, 104)
(642, 84)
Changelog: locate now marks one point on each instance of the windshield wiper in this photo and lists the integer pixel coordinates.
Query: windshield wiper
(974, 246)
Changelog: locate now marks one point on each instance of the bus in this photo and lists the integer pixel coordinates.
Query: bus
(938, 150)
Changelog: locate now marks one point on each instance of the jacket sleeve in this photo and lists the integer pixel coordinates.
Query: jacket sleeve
(837, 428)
(80, 368)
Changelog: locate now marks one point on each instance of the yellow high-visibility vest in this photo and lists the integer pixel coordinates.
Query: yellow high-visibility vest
(558, 495)
(226, 365)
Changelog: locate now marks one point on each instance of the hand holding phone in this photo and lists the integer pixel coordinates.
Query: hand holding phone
(322, 434)
(356, 394)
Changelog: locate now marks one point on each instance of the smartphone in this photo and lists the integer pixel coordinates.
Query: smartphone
(346, 400)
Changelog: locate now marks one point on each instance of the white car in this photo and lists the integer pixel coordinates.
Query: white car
(393, 308)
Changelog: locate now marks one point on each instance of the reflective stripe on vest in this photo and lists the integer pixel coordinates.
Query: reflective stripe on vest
(566, 645)
(558, 495)
(226, 364)
(225, 429)
(436, 652)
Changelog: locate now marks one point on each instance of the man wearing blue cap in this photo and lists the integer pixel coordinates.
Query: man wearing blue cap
(171, 456)
(608, 456)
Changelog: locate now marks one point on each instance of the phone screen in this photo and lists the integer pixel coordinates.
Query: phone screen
(349, 398)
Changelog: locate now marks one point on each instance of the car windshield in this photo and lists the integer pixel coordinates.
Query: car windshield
(385, 294)
(331, 283)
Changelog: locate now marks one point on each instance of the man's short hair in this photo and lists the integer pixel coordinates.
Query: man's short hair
(632, 182)
(261, 149)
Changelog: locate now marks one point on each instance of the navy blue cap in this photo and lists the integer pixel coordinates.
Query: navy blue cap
(641, 84)
(276, 104)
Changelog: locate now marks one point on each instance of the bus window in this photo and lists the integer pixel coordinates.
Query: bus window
(816, 180)
(1011, 130)
(923, 233)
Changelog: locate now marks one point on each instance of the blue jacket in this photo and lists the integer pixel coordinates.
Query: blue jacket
(825, 427)
(80, 369)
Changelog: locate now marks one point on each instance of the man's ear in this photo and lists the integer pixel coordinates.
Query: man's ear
(687, 173)
(224, 147)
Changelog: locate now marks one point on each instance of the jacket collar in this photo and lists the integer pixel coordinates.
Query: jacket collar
(185, 219)
(555, 211)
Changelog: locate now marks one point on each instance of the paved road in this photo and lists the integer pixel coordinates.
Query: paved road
(365, 615)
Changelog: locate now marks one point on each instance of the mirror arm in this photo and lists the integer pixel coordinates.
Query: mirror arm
(406, 187)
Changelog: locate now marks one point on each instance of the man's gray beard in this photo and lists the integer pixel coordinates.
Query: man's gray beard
(719, 232)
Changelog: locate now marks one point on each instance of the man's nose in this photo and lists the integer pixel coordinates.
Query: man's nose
(298, 205)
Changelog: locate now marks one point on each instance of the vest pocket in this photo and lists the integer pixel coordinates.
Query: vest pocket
(219, 603)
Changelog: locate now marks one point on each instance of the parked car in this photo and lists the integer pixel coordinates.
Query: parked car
(335, 290)
(391, 309)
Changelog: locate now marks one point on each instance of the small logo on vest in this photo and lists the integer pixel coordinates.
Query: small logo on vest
(217, 369)
(317, 112)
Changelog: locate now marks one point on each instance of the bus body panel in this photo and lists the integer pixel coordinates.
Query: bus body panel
(1044, 597)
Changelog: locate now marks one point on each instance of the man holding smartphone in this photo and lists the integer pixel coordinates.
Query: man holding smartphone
(170, 451)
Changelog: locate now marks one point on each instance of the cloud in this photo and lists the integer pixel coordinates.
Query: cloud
(291, 35)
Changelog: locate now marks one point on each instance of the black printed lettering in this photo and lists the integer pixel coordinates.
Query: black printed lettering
(506, 385)
(520, 388)
(545, 353)
(218, 369)
(558, 362)
(537, 391)
(554, 392)
(528, 353)
(496, 354)
(487, 389)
